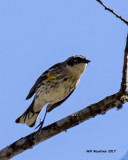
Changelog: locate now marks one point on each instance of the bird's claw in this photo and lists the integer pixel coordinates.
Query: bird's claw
(40, 125)
(41, 122)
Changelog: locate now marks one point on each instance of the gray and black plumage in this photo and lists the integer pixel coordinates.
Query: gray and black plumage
(53, 87)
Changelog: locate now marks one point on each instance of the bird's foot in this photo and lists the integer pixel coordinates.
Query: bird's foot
(40, 125)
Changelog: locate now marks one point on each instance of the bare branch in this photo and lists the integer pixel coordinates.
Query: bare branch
(91, 111)
(61, 125)
(110, 10)
(115, 100)
(124, 82)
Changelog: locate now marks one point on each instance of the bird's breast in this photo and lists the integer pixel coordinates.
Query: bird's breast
(54, 92)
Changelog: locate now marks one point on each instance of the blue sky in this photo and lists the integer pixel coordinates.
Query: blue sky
(34, 35)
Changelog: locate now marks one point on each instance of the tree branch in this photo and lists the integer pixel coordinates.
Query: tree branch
(115, 100)
(124, 82)
(62, 125)
(110, 10)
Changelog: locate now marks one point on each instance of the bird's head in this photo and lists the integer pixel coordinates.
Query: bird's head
(77, 64)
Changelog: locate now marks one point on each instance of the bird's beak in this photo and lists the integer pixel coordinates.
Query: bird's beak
(87, 61)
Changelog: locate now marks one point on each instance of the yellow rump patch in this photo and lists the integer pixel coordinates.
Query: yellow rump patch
(50, 78)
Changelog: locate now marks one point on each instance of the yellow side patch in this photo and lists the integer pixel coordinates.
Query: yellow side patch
(76, 85)
(50, 78)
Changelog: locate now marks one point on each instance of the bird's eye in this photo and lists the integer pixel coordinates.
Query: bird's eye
(75, 60)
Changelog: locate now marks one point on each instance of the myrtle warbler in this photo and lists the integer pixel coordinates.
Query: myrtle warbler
(53, 87)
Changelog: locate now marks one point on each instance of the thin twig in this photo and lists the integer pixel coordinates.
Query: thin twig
(110, 10)
(124, 82)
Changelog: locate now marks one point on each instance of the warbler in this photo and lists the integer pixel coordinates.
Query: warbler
(53, 87)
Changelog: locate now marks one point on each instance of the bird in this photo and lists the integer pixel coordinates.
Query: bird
(53, 87)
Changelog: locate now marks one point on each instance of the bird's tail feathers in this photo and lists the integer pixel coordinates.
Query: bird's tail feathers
(29, 116)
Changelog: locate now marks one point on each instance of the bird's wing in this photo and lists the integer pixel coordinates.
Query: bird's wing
(48, 75)
(33, 89)
(51, 107)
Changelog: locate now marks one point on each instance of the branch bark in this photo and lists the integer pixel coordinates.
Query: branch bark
(124, 82)
(113, 12)
(62, 125)
(115, 100)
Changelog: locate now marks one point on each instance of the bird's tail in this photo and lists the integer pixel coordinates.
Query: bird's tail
(29, 116)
